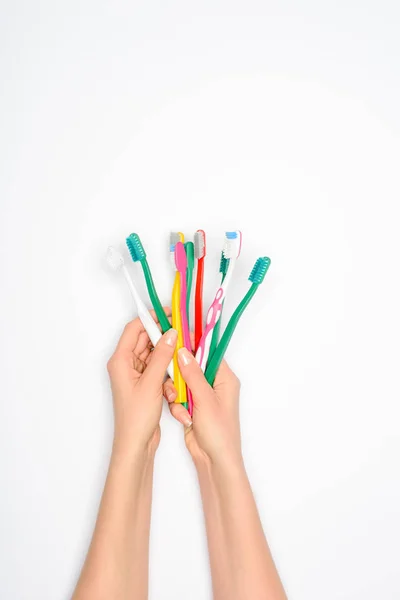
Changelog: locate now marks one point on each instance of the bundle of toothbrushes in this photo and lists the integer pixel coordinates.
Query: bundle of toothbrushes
(188, 258)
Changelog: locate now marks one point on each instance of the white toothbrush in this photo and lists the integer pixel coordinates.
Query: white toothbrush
(232, 247)
(117, 263)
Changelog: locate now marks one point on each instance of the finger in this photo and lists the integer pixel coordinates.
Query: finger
(194, 376)
(223, 374)
(130, 336)
(228, 381)
(143, 343)
(169, 391)
(145, 354)
(179, 412)
(168, 313)
(160, 358)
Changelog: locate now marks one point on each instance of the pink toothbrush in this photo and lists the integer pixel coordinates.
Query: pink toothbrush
(181, 265)
(232, 248)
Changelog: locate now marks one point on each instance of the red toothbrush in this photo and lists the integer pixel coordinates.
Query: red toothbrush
(199, 253)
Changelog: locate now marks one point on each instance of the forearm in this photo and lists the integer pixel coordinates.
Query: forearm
(216, 539)
(116, 566)
(247, 565)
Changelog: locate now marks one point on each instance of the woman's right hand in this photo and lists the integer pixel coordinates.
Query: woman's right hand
(214, 433)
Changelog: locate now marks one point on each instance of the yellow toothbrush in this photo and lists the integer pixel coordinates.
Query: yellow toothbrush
(179, 382)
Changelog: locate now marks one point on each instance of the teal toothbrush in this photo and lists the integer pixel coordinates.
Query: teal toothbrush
(189, 247)
(223, 267)
(256, 277)
(138, 254)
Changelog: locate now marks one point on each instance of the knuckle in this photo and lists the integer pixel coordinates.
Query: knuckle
(112, 364)
(236, 381)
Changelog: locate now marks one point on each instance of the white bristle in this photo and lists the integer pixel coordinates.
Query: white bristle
(114, 258)
(174, 238)
(199, 244)
(232, 245)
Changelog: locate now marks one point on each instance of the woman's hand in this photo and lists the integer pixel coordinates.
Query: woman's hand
(137, 373)
(215, 432)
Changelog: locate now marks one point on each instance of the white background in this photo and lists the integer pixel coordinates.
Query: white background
(278, 118)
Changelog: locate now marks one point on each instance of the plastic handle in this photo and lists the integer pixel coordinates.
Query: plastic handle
(186, 332)
(214, 313)
(147, 320)
(198, 322)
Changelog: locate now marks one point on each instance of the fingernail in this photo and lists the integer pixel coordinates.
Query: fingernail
(171, 337)
(188, 423)
(171, 395)
(185, 356)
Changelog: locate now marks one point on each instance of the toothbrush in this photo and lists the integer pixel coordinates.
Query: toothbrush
(233, 243)
(179, 382)
(223, 267)
(138, 253)
(189, 249)
(256, 277)
(199, 252)
(181, 265)
(117, 263)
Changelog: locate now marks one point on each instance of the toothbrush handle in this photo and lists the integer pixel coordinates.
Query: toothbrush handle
(147, 320)
(214, 313)
(216, 358)
(198, 324)
(186, 333)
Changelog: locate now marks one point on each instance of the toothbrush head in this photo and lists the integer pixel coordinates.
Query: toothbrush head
(135, 247)
(259, 270)
(114, 258)
(174, 238)
(189, 248)
(199, 244)
(233, 244)
(180, 258)
(223, 265)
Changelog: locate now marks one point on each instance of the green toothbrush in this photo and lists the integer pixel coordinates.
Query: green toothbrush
(223, 267)
(138, 254)
(189, 247)
(256, 277)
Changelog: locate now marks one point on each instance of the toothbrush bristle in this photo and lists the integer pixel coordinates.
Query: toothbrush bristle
(174, 238)
(135, 247)
(199, 244)
(114, 258)
(233, 244)
(223, 265)
(259, 270)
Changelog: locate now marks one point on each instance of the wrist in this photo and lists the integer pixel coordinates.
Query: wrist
(135, 455)
(229, 463)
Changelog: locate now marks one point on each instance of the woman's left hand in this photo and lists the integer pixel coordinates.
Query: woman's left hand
(137, 374)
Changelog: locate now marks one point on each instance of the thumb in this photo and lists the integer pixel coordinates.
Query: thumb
(193, 375)
(160, 358)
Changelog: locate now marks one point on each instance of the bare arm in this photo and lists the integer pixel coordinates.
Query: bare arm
(117, 562)
(241, 563)
(116, 566)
